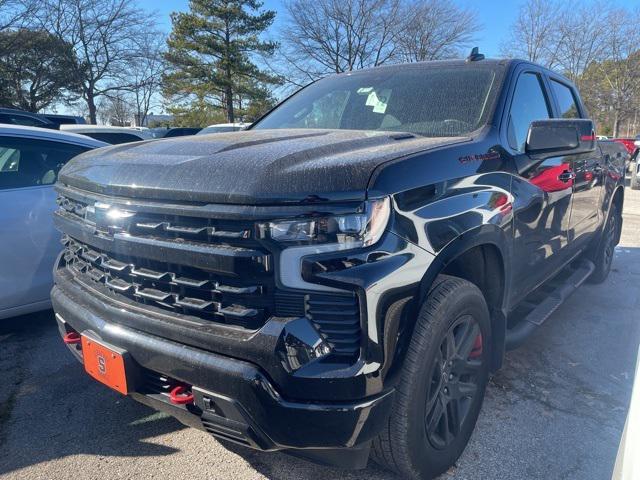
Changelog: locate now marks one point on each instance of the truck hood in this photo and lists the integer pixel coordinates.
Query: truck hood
(249, 167)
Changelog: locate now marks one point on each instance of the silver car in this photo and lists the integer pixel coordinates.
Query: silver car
(30, 159)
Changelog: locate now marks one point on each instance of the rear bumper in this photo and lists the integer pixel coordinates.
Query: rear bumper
(234, 399)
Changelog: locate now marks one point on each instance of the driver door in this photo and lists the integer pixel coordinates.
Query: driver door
(542, 192)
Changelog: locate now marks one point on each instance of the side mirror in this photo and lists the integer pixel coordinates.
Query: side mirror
(556, 137)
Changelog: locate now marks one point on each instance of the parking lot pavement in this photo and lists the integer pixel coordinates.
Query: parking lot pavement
(555, 411)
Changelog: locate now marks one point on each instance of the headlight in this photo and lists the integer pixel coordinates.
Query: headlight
(347, 231)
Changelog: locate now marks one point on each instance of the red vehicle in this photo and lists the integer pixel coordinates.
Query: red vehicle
(628, 144)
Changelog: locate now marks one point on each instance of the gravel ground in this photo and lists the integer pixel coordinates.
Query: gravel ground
(555, 411)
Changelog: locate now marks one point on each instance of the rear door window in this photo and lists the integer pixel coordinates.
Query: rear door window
(26, 162)
(566, 100)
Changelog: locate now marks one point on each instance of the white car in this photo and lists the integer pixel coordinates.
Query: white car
(30, 159)
(635, 170)
(109, 134)
(223, 127)
(627, 466)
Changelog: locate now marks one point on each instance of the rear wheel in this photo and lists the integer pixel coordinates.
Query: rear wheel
(603, 255)
(442, 384)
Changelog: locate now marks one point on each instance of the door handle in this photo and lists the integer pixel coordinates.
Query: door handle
(566, 176)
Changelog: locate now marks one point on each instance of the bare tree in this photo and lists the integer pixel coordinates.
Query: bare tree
(106, 35)
(434, 30)
(535, 35)
(584, 37)
(612, 86)
(333, 36)
(145, 75)
(116, 110)
(16, 13)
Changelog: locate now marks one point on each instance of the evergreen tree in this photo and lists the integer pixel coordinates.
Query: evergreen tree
(36, 70)
(210, 52)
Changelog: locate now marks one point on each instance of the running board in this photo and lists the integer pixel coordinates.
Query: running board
(555, 292)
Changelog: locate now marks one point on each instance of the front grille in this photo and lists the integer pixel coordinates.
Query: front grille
(201, 267)
(173, 287)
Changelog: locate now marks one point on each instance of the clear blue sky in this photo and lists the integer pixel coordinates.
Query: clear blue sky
(495, 17)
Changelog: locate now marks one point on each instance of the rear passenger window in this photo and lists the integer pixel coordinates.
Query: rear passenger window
(529, 103)
(566, 100)
(27, 162)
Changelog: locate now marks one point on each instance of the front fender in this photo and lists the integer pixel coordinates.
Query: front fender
(434, 216)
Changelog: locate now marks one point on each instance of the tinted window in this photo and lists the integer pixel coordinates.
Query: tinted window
(179, 132)
(23, 120)
(65, 120)
(431, 101)
(529, 103)
(566, 100)
(113, 138)
(29, 163)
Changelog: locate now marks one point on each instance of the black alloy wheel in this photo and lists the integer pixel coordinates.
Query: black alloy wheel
(454, 382)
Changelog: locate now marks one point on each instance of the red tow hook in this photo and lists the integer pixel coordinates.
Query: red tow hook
(72, 338)
(181, 395)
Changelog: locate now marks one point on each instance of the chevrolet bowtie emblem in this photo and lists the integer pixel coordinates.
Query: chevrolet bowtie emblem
(107, 218)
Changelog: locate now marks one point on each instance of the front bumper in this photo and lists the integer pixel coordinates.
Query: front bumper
(234, 399)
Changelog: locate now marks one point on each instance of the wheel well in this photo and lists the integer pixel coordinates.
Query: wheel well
(483, 266)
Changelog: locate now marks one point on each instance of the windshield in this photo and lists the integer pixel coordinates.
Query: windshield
(433, 101)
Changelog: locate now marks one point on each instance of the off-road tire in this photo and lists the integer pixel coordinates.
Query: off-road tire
(404, 446)
(602, 255)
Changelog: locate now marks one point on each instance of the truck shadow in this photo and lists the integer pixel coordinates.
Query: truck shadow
(281, 466)
(49, 409)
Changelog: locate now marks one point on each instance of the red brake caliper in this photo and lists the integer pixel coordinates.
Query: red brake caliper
(477, 347)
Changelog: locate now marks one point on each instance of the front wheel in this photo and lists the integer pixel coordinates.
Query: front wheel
(442, 384)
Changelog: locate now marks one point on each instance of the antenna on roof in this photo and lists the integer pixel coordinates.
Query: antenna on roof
(475, 55)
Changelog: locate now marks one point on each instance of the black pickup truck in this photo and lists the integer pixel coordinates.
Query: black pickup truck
(340, 280)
